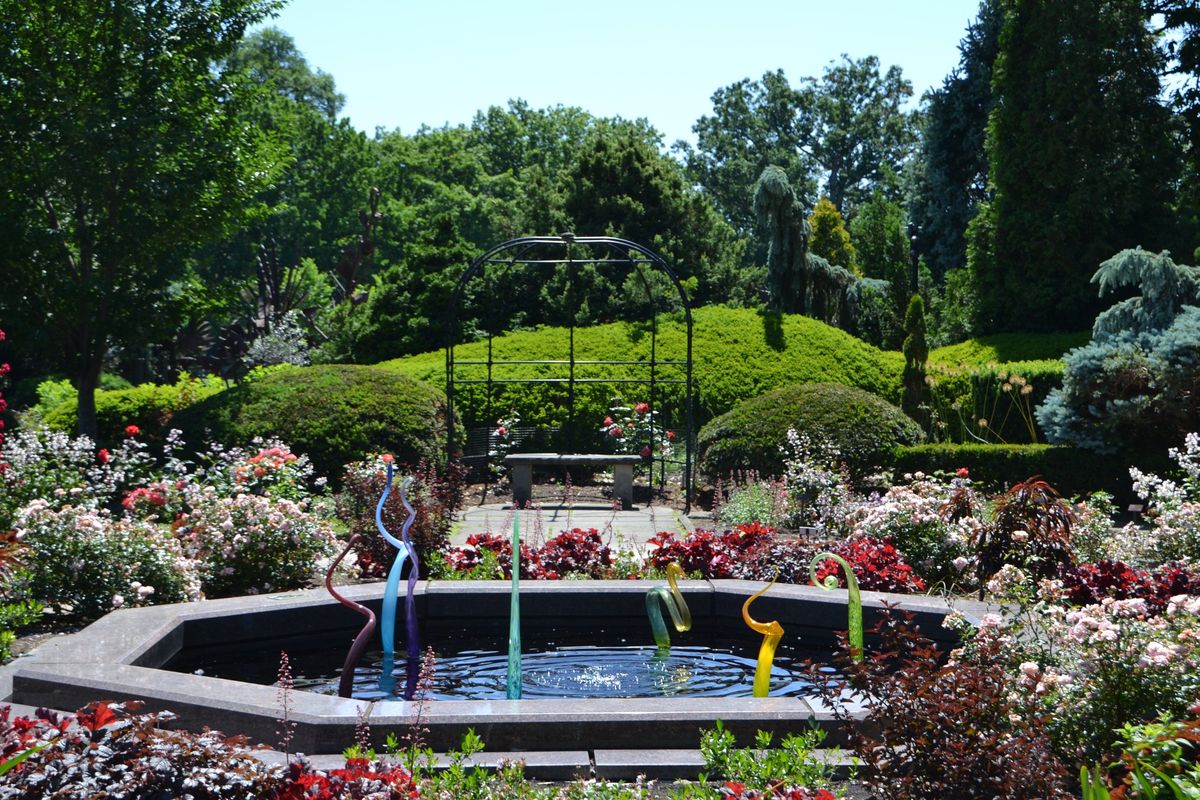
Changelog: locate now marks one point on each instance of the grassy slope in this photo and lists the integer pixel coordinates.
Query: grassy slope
(737, 354)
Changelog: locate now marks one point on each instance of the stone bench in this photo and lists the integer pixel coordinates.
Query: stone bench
(522, 465)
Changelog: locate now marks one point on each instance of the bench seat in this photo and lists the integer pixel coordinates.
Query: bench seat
(522, 465)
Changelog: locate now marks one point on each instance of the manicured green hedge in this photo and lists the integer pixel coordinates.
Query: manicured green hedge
(737, 354)
(1007, 347)
(1068, 469)
(863, 428)
(335, 413)
(150, 406)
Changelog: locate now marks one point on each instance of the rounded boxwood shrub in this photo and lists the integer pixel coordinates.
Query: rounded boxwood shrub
(862, 427)
(335, 414)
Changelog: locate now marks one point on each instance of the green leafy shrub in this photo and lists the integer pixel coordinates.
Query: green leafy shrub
(764, 768)
(737, 354)
(335, 414)
(250, 544)
(861, 427)
(1068, 469)
(149, 406)
(1003, 395)
(84, 563)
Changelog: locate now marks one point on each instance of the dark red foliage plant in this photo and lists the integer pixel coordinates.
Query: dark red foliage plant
(738, 791)
(1086, 584)
(113, 751)
(436, 494)
(937, 727)
(1030, 529)
(577, 551)
(573, 552)
(878, 566)
(715, 555)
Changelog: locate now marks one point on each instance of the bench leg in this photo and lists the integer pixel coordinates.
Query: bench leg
(623, 484)
(521, 476)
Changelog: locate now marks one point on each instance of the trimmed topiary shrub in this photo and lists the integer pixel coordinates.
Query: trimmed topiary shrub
(737, 354)
(1002, 347)
(860, 426)
(336, 414)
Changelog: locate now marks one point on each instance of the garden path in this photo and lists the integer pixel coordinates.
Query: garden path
(629, 529)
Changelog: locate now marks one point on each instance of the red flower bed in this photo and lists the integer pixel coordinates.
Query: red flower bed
(1086, 584)
(877, 565)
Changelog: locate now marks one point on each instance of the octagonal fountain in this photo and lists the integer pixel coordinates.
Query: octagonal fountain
(166, 657)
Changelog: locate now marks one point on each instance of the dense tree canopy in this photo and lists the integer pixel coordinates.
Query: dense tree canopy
(952, 166)
(122, 145)
(164, 175)
(1081, 159)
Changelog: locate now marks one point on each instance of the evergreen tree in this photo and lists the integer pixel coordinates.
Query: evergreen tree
(952, 164)
(830, 240)
(780, 213)
(1133, 387)
(879, 237)
(1081, 159)
(916, 353)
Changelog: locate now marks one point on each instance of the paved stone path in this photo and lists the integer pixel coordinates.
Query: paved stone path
(628, 528)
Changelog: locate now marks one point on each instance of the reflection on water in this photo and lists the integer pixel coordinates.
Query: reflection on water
(579, 672)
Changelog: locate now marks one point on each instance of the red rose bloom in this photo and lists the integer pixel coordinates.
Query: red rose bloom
(963, 472)
(132, 430)
(102, 456)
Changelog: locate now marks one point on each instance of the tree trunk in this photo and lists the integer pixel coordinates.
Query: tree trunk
(86, 381)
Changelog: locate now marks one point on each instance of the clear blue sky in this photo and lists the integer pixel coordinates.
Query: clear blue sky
(403, 64)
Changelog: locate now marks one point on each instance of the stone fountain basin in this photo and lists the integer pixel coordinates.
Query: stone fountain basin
(121, 656)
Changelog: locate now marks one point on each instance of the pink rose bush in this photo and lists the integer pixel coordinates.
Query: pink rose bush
(250, 544)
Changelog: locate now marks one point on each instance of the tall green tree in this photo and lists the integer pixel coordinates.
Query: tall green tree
(916, 353)
(846, 133)
(782, 215)
(857, 129)
(830, 240)
(753, 125)
(123, 148)
(623, 184)
(269, 57)
(952, 174)
(1181, 42)
(1081, 155)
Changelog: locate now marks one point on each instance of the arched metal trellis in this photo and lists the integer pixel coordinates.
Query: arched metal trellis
(561, 258)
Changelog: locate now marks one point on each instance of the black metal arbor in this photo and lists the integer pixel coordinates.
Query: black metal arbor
(561, 258)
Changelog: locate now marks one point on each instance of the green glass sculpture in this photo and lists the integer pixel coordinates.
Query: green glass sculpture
(514, 615)
(681, 615)
(854, 622)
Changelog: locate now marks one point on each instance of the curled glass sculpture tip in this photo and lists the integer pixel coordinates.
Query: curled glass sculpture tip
(854, 612)
(772, 632)
(677, 607)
